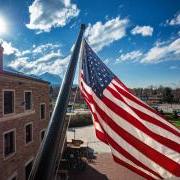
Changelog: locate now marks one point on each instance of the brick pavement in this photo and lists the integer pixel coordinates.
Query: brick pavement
(104, 168)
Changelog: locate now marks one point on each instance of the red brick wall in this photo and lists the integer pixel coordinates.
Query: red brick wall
(40, 94)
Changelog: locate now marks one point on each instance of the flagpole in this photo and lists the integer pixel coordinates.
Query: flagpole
(45, 162)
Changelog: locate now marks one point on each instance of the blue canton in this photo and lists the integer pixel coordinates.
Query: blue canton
(96, 74)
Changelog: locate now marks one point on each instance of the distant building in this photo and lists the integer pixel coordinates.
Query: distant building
(76, 95)
(150, 96)
(176, 94)
(153, 100)
(24, 116)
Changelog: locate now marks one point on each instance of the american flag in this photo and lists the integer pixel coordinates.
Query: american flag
(140, 139)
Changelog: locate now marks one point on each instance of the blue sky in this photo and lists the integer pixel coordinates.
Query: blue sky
(138, 40)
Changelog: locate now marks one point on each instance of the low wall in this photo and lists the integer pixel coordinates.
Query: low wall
(169, 108)
(80, 120)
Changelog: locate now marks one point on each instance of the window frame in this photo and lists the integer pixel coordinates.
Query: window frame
(26, 164)
(13, 153)
(44, 111)
(50, 114)
(42, 130)
(25, 101)
(27, 143)
(9, 114)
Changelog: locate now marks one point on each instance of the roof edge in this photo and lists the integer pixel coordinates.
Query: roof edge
(24, 76)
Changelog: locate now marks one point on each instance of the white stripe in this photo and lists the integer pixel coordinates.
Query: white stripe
(133, 130)
(98, 127)
(129, 148)
(139, 107)
(150, 126)
(119, 85)
(96, 124)
(121, 157)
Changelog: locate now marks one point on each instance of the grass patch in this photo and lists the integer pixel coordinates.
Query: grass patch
(173, 120)
(177, 123)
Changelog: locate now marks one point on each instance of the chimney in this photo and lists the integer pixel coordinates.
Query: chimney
(1, 57)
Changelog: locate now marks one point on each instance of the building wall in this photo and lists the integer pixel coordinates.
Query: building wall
(79, 98)
(18, 120)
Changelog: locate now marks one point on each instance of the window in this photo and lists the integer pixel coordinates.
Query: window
(42, 111)
(50, 114)
(8, 102)
(28, 169)
(28, 130)
(28, 100)
(9, 143)
(42, 134)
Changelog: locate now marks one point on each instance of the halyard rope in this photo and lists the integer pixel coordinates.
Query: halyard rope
(59, 157)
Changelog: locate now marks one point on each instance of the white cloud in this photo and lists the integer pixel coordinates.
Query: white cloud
(106, 61)
(44, 58)
(9, 49)
(170, 51)
(133, 55)
(100, 35)
(143, 30)
(173, 67)
(161, 51)
(45, 47)
(45, 14)
(37, 59)
(174, 21)
(19, 63)
(52, 64)
(23, 53)
(48, 57)
(72, 48)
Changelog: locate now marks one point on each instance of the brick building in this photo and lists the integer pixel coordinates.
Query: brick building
(24, 116)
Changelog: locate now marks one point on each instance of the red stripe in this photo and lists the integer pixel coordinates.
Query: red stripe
(138, 101)
(132, 168)
(125, 153)
(135, 122)
(121, 83)
(131, 97)
(152, 120)
(147, 107)
(118, 148)
(101, 136)
(129, 156)
(154, 155)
